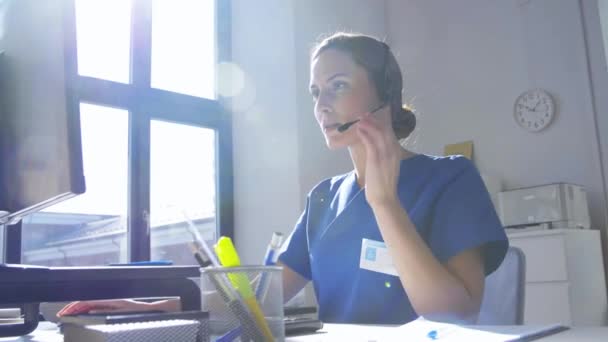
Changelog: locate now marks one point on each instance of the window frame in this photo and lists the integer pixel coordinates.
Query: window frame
(144, 104)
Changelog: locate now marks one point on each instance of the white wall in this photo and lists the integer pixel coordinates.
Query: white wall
(603, 13)
(595, 14)
(313, 19)
(465, 63)
(595, 18)
(279, 152)
(266, 167)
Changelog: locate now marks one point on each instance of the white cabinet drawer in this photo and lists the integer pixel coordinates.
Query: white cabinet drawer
(545, 257)
(547, 303)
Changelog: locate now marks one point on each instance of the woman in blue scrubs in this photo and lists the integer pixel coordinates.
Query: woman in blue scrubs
(401, 235)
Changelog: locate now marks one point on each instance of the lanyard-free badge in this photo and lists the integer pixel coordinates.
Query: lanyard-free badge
(375, 257)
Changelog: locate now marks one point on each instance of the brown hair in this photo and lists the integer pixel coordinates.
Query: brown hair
(381, 65)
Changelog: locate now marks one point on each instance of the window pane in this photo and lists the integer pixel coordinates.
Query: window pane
(89, 229)
(182, 182)
(103, 31)
(183, 46)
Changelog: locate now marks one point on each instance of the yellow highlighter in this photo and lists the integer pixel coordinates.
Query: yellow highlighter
(229, 258)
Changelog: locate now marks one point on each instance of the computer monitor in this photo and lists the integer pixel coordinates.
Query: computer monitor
(40, 142)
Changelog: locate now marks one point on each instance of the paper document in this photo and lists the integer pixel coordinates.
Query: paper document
(425, 330)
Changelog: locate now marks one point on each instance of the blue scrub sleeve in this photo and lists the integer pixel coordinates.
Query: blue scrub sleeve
(294, 252)
(465, 218)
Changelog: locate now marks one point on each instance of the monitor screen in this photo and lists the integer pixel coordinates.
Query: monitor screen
(40, 142)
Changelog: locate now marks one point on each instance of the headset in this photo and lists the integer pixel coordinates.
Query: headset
(387, 93)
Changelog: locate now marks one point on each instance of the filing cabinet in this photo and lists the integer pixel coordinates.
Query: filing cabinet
(565, 280)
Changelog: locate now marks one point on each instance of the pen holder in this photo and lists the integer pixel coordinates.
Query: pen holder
(245, 303)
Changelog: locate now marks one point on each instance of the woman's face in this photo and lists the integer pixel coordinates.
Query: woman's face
(342, 92)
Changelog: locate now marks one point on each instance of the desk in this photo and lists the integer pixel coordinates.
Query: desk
(32, 285)
(47, 332)
(343, 332)
(586, 334)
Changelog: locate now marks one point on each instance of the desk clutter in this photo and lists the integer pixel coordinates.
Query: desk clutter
(187, 326)
(239, 303)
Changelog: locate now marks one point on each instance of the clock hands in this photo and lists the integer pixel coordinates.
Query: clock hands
(536, 105)
(533, 109)
(527, 108)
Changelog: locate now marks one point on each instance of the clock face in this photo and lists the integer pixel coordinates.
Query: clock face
(534, 110)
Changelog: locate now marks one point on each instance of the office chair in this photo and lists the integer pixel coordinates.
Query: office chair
(504, 293)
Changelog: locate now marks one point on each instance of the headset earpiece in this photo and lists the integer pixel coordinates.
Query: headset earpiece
(387, 96)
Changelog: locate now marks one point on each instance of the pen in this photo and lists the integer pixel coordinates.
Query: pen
(231, 335)
(202, 261)
(229, 258)
(201, 245)
(272, 254)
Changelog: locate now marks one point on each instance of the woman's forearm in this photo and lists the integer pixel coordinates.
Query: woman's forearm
(169, 305)
(430, 286)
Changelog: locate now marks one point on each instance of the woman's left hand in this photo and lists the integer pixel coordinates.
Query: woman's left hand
(383, 156)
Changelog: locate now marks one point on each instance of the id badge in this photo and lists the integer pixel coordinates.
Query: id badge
(375, 257)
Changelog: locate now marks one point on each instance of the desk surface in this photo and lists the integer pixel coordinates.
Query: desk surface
(340, 332)
(47, 332)
(580, 334)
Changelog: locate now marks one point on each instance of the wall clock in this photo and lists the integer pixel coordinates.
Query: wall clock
(534, 110)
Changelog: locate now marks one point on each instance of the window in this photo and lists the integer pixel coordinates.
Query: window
(104, 53)
(89, 229)
(183, 40)
(182, 186)
(156, 142)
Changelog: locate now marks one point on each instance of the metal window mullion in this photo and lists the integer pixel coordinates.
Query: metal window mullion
(139, 187)
(105, 93)
(224, 180)
(139, 133)
(224, 164)
(179, 108)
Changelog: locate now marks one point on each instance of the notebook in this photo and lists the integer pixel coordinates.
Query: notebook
(159, 331)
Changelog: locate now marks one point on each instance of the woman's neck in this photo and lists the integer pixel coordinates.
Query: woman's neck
(359, 158)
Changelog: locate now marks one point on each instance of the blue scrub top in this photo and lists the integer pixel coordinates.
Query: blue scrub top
(446, 200)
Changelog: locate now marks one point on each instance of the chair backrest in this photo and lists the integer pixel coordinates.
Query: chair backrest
(504, 293)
